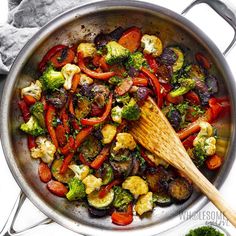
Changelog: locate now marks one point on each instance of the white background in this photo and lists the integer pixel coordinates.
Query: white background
(221, 34)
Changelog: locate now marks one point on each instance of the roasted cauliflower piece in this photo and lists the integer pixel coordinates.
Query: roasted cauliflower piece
(81, 171)
(144, 203)
(87, 49)
(68, 71)
(92, 183)
(45, 150)
(152, 45)
(124, 140)
(136, 185)
(108, 133)
(84, 79)
(116, 114)
(34, 90)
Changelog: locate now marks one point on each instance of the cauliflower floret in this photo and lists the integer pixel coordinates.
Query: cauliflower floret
(92, 183)
(204, 139)
(210, 146)
(124, 140)
(81, 171)
(116, 114)
(84, 79)
(34, 90)
(68, 71)
(45, 150)
(88, 49)
(108, 133)
(136, 185)
(144, 203)
(152, 45)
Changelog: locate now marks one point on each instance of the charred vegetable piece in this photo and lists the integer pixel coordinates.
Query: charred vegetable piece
(212, 84)
(83, 107)
(105, 173)
(196, 72)
(97, 213)
(58, 98)
(180, 189)
(55, 169)
(168, 57)
(122, 198)
(100, 203)
(161, 200)
(180, 59)
(174, 118)
(90, 147)
(158, 180)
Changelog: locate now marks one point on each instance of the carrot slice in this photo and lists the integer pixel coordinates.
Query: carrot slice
(214, 162)
(131, 39)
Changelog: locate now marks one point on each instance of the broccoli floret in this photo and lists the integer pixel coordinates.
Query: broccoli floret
(76, 190)
(32, 127)
(199, 155)
(135, 60)
(122, 198)
(116, 53)
(37, 111)
(51, 79)
(185, 86)
(131, 111)
(204, 231)
(123, 99)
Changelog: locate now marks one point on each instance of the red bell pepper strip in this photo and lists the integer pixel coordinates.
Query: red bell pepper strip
(105, 189)
(50, 115)
(156, 84)
(145, 157)
(188, 142)
(83, 160)
(192, 97)
(31, 142)
(29, 100)
(82, 135)
(131, 39)
(69, 147)
(93, 74)
(94, 121)
(24, 110)
(202, 60)
(61, 135)
(100, 158)
(65, 119)
(174, 100)
(151, 62)
(138, 81)
(43, 100)
(123, 218)
(49, 54)
(66, 162)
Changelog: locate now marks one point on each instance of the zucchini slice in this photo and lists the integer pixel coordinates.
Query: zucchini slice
(100, 203)
(55, 169)
(162, 200)
(180, 60)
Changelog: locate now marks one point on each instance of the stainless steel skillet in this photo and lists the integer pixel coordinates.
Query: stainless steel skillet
(83, 23)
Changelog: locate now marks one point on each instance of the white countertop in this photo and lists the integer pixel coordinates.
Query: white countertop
(221, 34)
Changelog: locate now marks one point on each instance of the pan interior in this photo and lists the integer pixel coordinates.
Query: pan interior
(85, 27)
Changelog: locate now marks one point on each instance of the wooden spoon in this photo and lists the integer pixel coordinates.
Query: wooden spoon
(154, 132)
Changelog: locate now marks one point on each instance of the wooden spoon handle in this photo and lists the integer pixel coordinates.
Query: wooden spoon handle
(210, 191)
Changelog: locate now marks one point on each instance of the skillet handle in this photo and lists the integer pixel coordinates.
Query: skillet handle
(8, 229)
(225, 9)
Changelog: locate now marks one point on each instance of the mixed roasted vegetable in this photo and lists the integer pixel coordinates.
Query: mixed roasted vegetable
(77, 115)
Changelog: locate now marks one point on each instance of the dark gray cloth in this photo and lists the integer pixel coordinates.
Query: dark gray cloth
(25, 18)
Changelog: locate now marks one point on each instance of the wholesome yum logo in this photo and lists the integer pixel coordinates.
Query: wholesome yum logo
(209, 216)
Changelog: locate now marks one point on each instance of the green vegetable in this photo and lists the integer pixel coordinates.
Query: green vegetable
(115, 80)
(185, 86)
(100, 203)
(204, 231)
(107, 173)
(76, 190)
(122, 198)
(131, 111)
(196, 72)
(116, 53)
(123, 99)
(161, 200)
(37, 110)
(199, 155)
(135, 60)
(32, 127)
(180, 61)
(51, 79)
